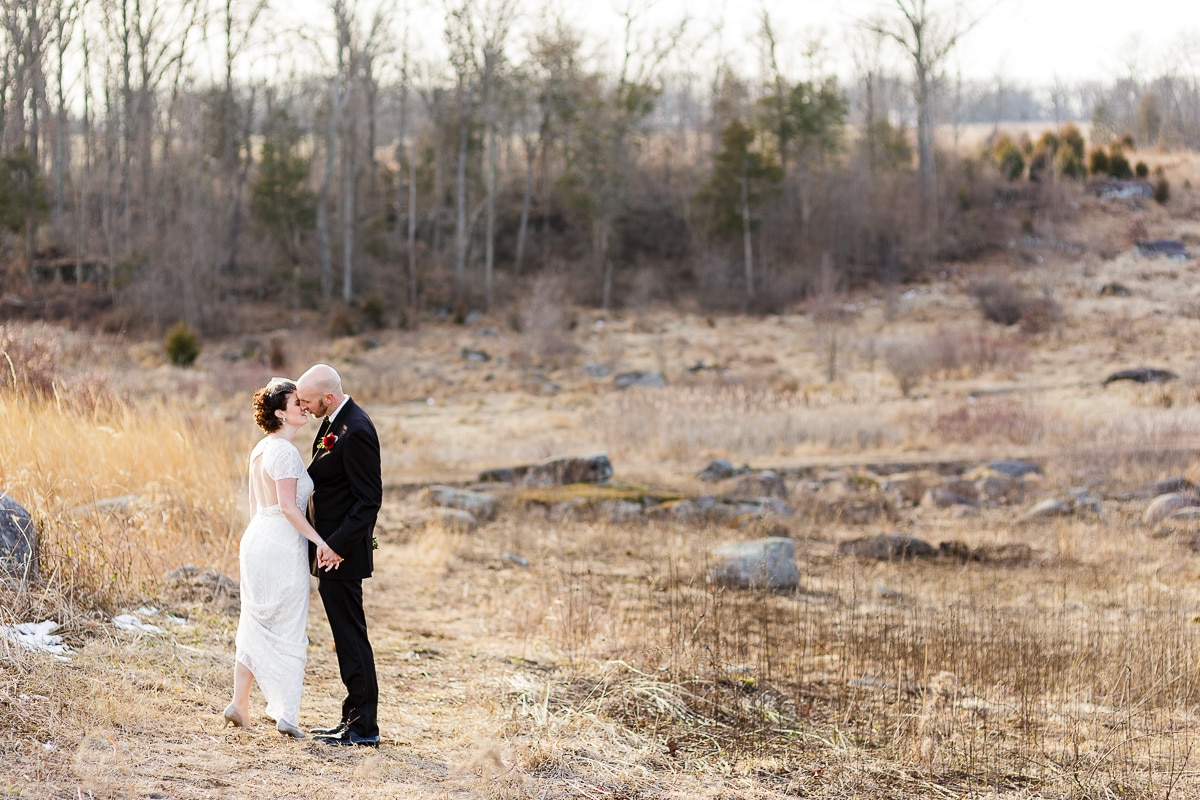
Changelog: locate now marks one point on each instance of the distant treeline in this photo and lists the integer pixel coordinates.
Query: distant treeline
(176, 159)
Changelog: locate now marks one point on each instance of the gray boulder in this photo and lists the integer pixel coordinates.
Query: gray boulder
(888, 547)
(1051, 507)
(692, 509)
(765, 483)
(1014, 468)
(947, 496)
(645, 380)
(760, 507)
(905, 490)
(502, 474)
(761, 564)
(563, 471)
(1164, 505)
(1141, 375)
(621, 511)
(18, 541)
(191, 584)
(479, 504)
(1084, 502)
(997, 489)
(597, 370)
(1191, 514)
(1175, 485)
(719, 469)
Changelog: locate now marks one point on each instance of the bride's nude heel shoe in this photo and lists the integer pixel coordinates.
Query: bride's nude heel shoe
(287, 729)
(234, 717)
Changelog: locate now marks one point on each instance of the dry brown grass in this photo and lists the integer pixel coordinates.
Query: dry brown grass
(123, 495)
(611, 666)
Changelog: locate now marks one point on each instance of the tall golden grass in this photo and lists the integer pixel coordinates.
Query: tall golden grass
(120, 492)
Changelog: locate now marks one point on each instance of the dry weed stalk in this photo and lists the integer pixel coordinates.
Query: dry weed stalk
(933, 724)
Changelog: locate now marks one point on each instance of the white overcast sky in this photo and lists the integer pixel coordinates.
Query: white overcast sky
(1035, 42)
(1031, 41)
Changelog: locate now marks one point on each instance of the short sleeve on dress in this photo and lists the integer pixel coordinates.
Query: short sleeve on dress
(282, 460)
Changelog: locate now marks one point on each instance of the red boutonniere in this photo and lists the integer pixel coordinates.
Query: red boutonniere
(327, 442)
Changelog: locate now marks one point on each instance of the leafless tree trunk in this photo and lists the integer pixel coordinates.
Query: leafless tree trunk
(476, 31)
(236, 137)
(34, 56)
(403, 167)
(436, 109)
(489, 104)
(351, 54)
(747, 248)
(526, 203)
(927, 37)
(625, 110)
(349, 170)
(66, 15)
(460, 38)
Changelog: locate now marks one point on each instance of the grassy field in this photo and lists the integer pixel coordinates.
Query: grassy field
(557, 650)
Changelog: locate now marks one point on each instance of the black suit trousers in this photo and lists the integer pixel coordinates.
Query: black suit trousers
(343, 601)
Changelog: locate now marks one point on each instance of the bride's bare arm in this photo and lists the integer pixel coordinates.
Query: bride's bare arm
(285, 488)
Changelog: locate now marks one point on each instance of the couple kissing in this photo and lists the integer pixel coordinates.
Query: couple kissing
(317, 519)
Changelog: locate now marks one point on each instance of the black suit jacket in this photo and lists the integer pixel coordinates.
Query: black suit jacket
(347, 493)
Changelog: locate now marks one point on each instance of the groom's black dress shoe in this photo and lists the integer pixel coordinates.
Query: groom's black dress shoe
(350, 739)
(335, 730)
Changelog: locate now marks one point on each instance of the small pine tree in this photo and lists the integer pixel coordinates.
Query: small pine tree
(1162, 191)
(739, 161)
(1040, 163)
(1098, 162)
(1008, 158)
(182, 345)
(1068, 164)
(22, 191)
(1118, 166)
(1141, 170)
(1071, 138)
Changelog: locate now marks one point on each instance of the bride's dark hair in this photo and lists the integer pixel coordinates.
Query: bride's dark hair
(269, 399)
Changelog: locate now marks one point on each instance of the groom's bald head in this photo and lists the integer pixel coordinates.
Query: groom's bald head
(319, 390)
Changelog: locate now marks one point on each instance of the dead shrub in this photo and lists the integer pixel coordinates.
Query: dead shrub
(1041, 315)
(909, 360)
(28, 364)
(956, 352)
(1000, 301)
(990, 420)
(545, 321)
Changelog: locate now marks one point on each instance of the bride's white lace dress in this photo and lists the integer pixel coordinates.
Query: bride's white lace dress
(272, 639)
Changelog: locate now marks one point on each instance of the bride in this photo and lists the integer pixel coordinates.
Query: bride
(272, 634)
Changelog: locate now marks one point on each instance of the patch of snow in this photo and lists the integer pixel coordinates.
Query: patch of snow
(128, 622)
(38, 636)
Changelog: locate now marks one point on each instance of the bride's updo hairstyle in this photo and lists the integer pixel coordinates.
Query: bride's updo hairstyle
(268, 400)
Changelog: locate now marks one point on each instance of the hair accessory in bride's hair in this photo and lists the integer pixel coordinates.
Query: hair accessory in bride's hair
(280, 385)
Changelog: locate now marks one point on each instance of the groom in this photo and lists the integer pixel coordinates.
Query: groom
(347, 494)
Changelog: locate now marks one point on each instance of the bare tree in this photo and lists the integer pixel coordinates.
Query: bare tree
(352, 48)
(603, 151)
(406, 172)
(548, 94)
(477, 32)
(927, 35)
(64, 17)
(238, 22)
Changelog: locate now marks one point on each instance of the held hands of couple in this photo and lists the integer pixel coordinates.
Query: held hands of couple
(326, 558)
